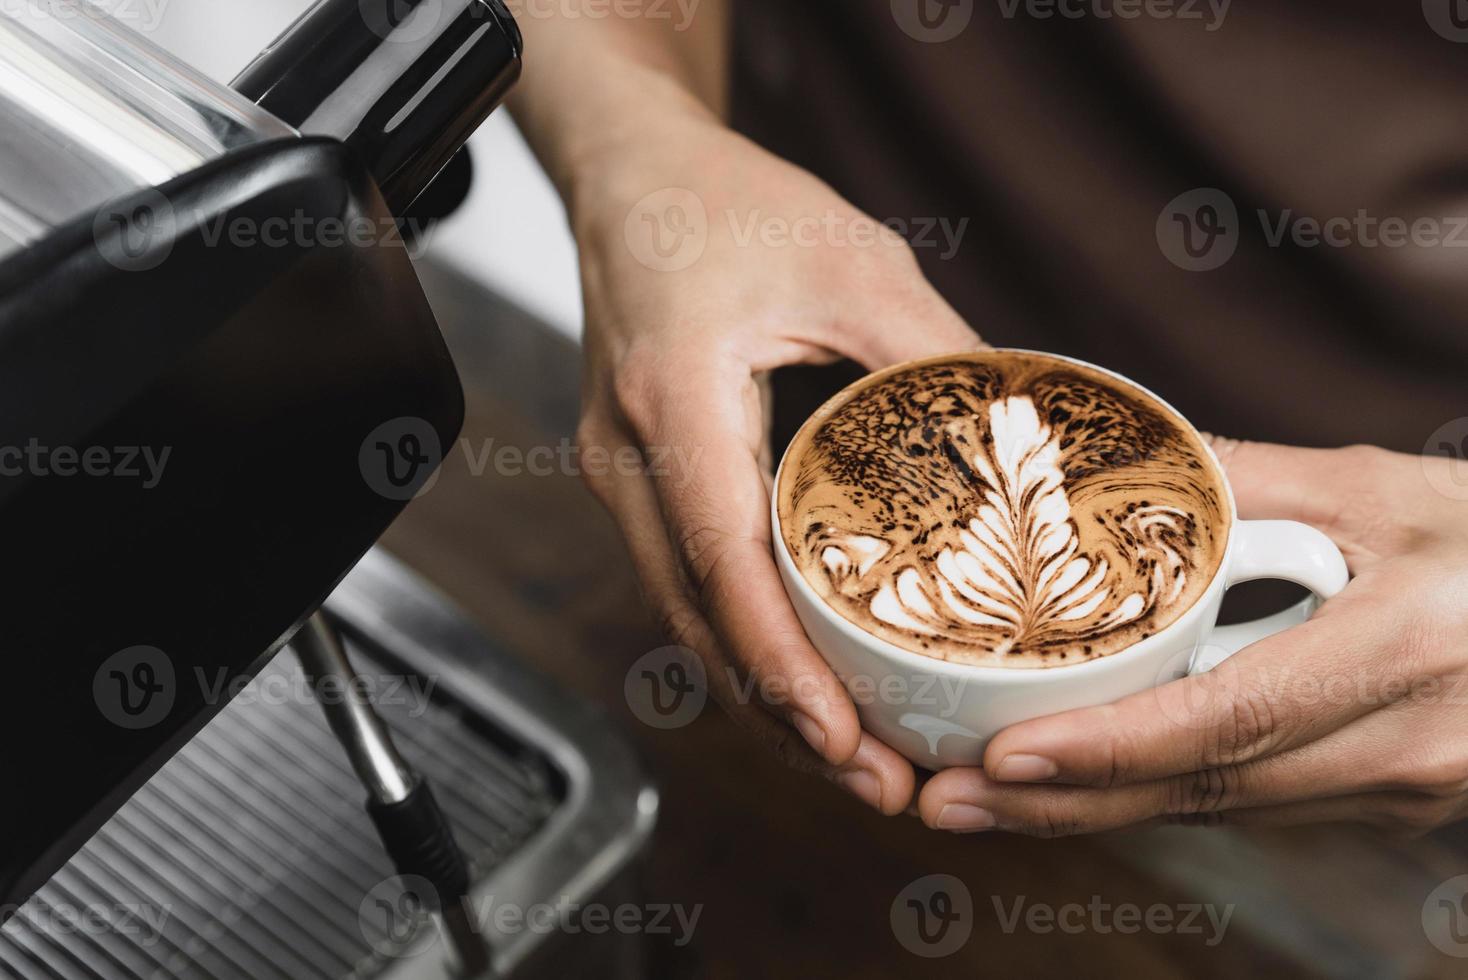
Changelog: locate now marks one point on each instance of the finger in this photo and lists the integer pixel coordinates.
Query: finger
(714, 510)
(875, 773)
(1348, 762)
(1396, 812)
(1338, 491)
(900, 318)
(1399, 814)
(1271, 482)
(1284, 691)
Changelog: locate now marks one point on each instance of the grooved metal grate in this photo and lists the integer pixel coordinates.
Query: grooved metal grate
(248, 856)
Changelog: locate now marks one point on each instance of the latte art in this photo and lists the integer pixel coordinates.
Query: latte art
(1002, 508)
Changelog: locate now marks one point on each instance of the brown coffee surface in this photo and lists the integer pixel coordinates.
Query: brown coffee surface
(1003, 509)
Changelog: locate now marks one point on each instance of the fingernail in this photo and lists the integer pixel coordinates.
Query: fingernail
(862, 785)
(814, 734)
(1026, 769)
(964, 818)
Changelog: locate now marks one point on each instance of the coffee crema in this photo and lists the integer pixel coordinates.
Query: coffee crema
(1003, 508)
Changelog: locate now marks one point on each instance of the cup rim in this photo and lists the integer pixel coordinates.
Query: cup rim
(791, 572)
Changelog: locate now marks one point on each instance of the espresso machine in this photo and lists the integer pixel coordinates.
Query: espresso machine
(221, 382)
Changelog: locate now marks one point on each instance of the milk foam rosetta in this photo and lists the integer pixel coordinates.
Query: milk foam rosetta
(1002, 508)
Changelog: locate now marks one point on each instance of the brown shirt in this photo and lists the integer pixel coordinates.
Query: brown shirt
(1079, 152)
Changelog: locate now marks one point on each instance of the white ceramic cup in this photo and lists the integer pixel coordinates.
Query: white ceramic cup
(942, 714)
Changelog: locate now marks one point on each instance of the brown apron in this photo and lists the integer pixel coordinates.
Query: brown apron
(1264, 218)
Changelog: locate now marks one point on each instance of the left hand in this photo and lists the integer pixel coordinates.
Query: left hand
(1359, 715)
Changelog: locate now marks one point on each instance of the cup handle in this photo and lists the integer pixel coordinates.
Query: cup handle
(1285, 550)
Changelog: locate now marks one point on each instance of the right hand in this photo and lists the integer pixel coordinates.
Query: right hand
(675, 350)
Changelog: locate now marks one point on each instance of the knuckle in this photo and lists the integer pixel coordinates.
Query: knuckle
(634, 392)
(1436, 777)
(704, 551)
(1248, 724)
(1056, 820)
(680, 624)
(1365, 458)
(588, 434)
(1114, 764)
(1207, 818)
(1414, 815)
(1196, 793)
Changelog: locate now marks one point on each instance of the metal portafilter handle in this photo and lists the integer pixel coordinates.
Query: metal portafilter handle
(413, 829)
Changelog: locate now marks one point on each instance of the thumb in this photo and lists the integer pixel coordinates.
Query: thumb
(902, 319)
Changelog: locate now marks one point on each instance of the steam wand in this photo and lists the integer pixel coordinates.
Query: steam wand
(412, 827)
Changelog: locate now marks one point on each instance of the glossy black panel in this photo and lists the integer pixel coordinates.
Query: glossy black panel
(261, 369)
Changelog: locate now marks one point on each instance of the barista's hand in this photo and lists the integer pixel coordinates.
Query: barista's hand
(1359, 715)
(677, 337)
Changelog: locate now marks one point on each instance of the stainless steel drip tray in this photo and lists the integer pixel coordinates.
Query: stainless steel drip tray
(249, 855)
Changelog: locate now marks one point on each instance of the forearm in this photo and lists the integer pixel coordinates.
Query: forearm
(604, 79)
